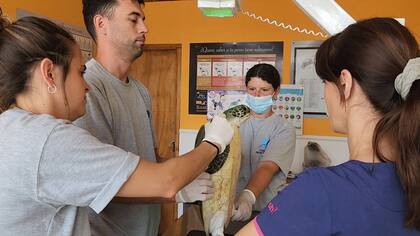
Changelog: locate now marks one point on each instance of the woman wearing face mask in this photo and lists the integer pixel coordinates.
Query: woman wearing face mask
(267, 144)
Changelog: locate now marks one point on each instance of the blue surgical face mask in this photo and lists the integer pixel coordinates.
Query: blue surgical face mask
(259, 104)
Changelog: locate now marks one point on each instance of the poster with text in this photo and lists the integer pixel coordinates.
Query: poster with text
(223, 66)
(304, 74)
(288, 104)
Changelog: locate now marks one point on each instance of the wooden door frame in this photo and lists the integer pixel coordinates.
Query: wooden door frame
(174, 223)
(178, 48)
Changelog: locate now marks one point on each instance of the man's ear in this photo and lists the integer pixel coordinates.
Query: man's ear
(346, 81)
(100, 24)
(47, 71)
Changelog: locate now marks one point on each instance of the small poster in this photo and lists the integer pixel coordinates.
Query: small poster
(223, 67)
(220, 100)
(289, 103)
(304, 74)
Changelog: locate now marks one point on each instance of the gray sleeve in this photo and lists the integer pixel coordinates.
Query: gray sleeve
(281, 148)
(98, 117)
(76, 169)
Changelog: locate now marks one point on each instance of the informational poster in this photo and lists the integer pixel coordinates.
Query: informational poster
(289, 103)
(223, 66)
(79, 34)
(304, 74)
(220, 100)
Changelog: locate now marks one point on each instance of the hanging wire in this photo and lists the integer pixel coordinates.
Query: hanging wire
(283, 25)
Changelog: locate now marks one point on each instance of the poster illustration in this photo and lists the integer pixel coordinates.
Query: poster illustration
(289, 103)
(303, 74)
(223, 66)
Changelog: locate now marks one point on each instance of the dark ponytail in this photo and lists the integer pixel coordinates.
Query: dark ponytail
(409, 140)
(402, 128)
(22, 45)
(376, 51)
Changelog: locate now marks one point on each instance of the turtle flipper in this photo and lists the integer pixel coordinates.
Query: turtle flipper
(219, 160)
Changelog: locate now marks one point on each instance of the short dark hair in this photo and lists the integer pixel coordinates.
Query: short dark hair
(266, 72)
(25, 43)
(95, 7)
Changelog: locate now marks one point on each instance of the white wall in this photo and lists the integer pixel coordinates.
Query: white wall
(335, 147)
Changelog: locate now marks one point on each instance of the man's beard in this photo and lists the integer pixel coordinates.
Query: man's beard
(137, 53)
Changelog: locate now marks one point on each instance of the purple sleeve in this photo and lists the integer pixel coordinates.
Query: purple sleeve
(302, 208)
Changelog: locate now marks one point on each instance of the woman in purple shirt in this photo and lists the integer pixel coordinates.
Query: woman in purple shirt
(371, 72)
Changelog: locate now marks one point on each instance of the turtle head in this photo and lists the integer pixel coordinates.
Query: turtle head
(237, 114)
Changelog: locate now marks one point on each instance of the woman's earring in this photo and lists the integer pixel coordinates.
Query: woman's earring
(52, 89)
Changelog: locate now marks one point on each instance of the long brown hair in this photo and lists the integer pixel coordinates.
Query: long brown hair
(375, 51)
(23, 44)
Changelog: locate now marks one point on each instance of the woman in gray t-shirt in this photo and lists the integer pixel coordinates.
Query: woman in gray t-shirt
(52, 170)
(267, 144)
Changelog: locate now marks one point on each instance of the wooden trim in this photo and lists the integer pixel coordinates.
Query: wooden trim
(162, 46)
(178, 92)
(177, 223)
(178, 48)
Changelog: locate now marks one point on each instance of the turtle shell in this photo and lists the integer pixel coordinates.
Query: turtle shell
(239, 111)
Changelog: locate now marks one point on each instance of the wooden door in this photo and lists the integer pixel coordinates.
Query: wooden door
(159, 70)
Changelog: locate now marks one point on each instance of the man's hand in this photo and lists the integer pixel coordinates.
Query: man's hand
(218, 132)
(200, 189)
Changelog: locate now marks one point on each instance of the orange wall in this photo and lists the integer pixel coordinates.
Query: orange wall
(180, 22)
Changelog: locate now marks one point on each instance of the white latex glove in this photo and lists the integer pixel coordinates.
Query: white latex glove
(243, 206)
(217, 224)
(218, 131)
(200, 189)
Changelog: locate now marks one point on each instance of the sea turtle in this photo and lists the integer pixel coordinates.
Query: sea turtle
(224, 169)
(235, 115)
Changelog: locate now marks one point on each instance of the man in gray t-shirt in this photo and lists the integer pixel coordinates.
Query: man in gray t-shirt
(118, 109)
(119, 112)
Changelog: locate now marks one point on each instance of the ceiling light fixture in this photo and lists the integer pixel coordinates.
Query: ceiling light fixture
(219, 8)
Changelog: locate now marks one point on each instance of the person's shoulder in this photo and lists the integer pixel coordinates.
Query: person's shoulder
(141, 88)
(339, 176)
(138, 84)
(331, 171)
(324, 175)
(281, 124)
(28, 125)
(314, 173)
(26, 118)
(312, 180)
(95, 74)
